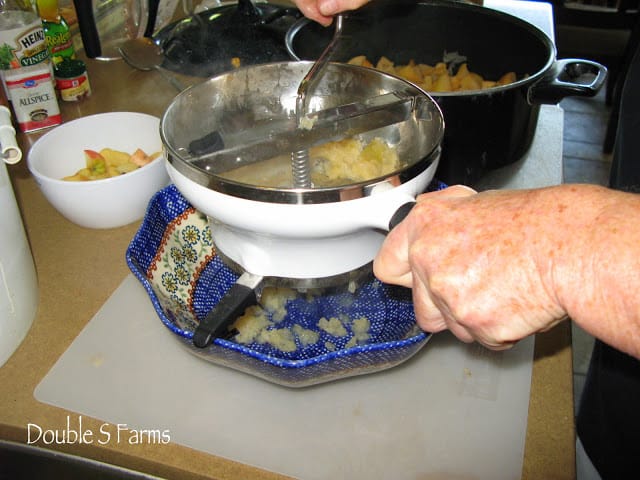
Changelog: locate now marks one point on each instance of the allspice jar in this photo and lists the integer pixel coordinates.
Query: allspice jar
(72, 80)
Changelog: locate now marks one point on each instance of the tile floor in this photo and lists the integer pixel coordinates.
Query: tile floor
(585, 122)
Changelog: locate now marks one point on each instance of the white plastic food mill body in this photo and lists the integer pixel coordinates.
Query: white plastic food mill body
(300, 241)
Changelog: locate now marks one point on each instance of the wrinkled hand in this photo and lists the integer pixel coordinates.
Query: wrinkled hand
(323, 11)
(473, 263)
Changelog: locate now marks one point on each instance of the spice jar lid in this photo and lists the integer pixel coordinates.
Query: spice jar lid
(70, 68)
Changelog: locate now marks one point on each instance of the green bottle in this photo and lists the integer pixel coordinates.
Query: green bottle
(56, 30)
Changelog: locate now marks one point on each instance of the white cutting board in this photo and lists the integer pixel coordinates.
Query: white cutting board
(453, 411)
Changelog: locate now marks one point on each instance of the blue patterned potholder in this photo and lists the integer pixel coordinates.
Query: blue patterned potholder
(172, 255)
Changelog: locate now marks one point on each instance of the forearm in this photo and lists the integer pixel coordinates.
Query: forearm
(593, 262)
(500, 265)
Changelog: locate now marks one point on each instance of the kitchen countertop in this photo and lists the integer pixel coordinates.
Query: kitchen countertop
(67, 258)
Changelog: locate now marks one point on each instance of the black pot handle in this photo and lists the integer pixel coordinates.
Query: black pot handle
(241, 295)
(88, 29)
(568, 77)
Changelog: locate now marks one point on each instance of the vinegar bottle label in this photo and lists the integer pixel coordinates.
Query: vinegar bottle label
(22, 40)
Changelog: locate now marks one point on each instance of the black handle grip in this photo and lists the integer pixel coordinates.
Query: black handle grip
(211, 142)
(151, 19)
(247, 9)
(228, 309)
(400, 214)
(568, 77)
(88, 29)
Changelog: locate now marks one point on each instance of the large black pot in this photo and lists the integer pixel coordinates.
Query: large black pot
(485, 129)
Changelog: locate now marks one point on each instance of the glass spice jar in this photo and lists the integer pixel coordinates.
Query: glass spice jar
(72, 80)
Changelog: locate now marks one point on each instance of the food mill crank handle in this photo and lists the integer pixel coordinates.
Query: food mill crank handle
(232, 305)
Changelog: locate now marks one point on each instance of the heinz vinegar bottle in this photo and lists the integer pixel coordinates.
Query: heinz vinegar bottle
(25, 67)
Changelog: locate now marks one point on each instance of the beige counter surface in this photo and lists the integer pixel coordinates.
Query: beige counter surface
(78, 269)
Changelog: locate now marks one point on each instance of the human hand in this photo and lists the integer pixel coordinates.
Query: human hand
(473, 263)
(323, 11)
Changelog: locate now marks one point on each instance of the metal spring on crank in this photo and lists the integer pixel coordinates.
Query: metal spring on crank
(300, 169)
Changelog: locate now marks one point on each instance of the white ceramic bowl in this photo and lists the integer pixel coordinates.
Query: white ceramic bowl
(107, 203)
